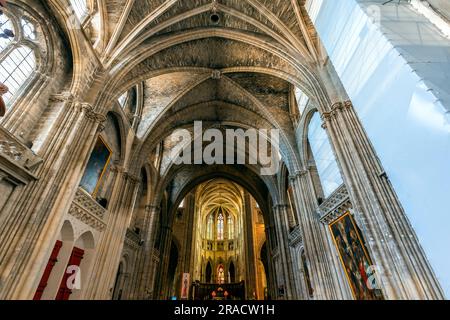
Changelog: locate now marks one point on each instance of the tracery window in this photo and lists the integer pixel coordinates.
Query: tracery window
(302, 100)
(220, 225)
(123, 99)
(17, 57)
(230, 223)
(209, 228)
(325, 160)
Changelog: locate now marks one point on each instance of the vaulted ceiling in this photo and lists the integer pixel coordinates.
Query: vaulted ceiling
(219, 193)
(225, 60)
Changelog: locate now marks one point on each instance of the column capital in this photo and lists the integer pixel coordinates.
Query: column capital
(337, 106)
(65, 96)
(348, 104)
(91, 114)
(117, 168)
(298, 174)
(326, 118)
(132, 178)
(335, 109)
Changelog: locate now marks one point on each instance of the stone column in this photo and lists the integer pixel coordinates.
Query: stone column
(250, 258)
(110, 246)
(188, 256)
(282, 230)
(326, 277)
(161, 284)
(405, 272)
(144, 265)
(271, 279)
(30, 230)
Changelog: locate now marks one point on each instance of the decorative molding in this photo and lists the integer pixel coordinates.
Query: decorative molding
(62, 97)
(132, 239)
(336, 108)
(276, 253)
(134, 179)
(91, 114)
(348, 104)
(155, 255)
(335, 206)
(298, 174)
(18, 153)
(216, 74)
(295, 237)
(88, 211)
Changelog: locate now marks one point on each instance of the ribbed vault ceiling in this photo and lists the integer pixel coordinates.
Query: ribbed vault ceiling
(186, 60)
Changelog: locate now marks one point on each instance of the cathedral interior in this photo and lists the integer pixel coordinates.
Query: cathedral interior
(350, 100)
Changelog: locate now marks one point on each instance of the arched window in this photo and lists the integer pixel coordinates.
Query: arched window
(230, 222)
(123, 99)
(17, 58)
(302, 100)
(326, 164)
(220, 225)
(210, 227)
(80, 8)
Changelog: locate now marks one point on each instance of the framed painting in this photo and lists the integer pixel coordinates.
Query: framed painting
(355, 259)
(96, 167)
(185, 284)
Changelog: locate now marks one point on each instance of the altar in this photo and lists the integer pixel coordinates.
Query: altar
(226, 291)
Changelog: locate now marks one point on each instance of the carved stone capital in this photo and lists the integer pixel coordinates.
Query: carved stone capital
(91, 114)
(117, 168)
(134, 179)
(298, 174)
(62, 97)
(326, 118)
(338, 106)
(348, 104)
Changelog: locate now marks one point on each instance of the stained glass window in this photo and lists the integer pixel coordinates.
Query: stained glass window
(220, 225)
(209, 227)
(230, 223)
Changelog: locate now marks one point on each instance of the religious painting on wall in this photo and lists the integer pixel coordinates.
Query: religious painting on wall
(186, 280)
(220, 274)
(354, 257)
(96, 167)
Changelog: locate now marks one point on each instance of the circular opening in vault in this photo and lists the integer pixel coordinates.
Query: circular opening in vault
(215, 19)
